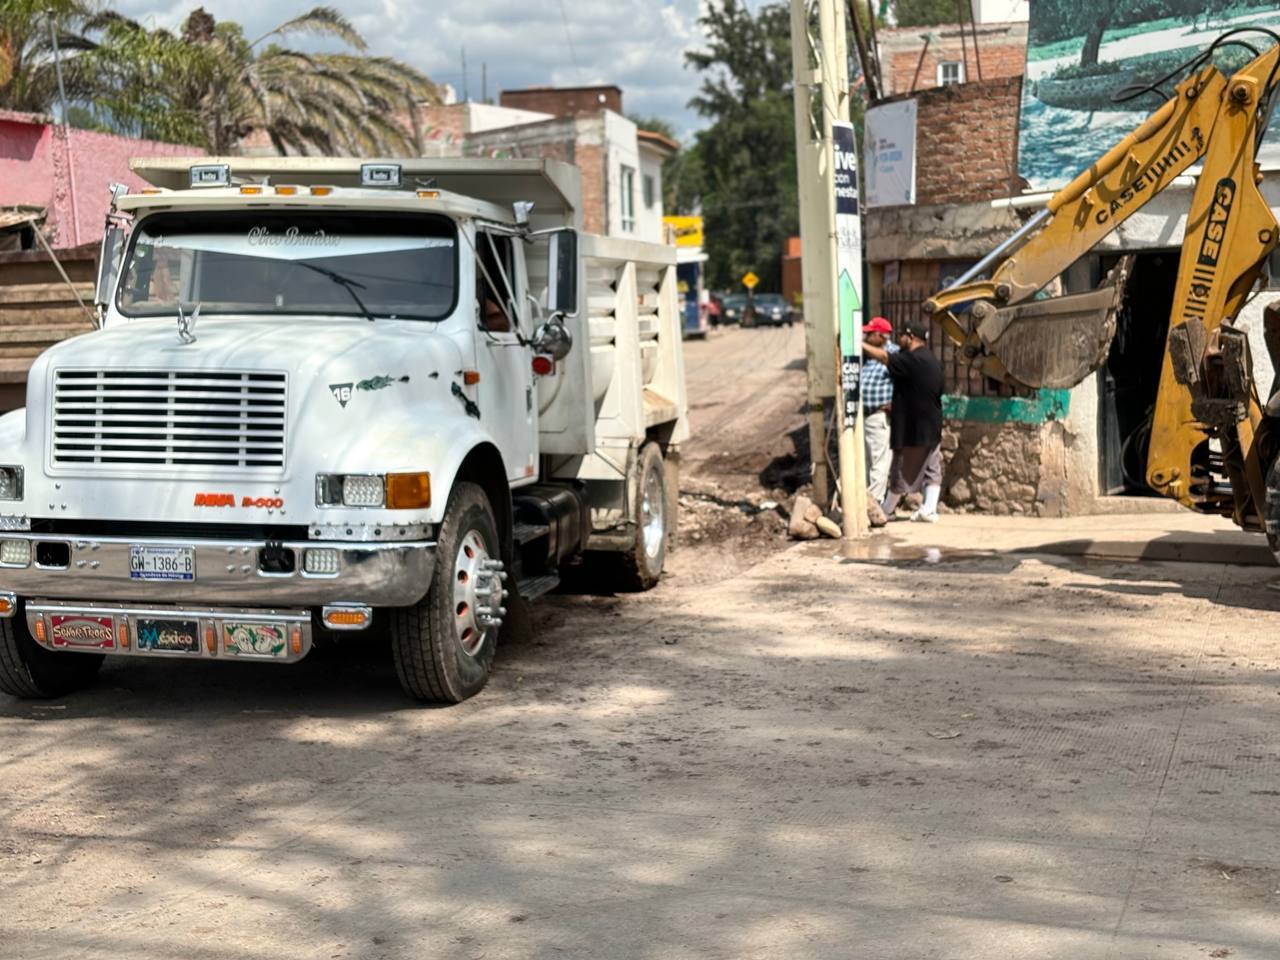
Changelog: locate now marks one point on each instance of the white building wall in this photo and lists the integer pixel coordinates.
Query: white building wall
(1001, 11)
(623, 152)
(649, 215)
(488, 116)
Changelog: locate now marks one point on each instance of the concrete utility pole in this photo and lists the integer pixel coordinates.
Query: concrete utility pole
(820, 65)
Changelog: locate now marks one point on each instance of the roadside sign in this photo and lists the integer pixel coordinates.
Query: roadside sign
(750, 280)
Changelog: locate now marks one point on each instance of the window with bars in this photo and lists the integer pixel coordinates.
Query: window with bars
(900, 303)
(950, 72)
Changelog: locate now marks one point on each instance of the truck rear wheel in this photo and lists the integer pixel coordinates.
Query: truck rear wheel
(29, 671)
(444, 646)
(641, 566)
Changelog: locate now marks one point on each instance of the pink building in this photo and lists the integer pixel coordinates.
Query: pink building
(68, 173)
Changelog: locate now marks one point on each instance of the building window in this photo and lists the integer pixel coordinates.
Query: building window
(650, 193)
(628, 199)
(949, 72)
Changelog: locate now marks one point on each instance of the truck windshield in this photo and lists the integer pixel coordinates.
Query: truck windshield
(275, 262)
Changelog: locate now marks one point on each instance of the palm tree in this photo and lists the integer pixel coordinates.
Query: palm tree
(28, 82)
(213, 86)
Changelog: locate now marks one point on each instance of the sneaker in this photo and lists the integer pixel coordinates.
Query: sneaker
(921, 517)
(875, 516)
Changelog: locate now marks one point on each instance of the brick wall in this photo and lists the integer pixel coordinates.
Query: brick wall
(997, 62)
(1001, 52)
(967, 142)
(564, 101)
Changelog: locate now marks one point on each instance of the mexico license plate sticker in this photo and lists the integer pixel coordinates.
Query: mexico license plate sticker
(168, 636)
(162, 563)
(82, 632)
(254, 639)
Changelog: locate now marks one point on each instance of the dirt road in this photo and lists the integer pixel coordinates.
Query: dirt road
(984, 756)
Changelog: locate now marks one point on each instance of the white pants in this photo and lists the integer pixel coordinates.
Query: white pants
(875, 429)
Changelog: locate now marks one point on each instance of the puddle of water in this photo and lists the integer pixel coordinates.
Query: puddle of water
(884, 549)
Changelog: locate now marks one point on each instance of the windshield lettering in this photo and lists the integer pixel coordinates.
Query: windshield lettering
(263, 237)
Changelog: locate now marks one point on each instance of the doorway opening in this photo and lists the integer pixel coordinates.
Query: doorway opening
(1129, 380)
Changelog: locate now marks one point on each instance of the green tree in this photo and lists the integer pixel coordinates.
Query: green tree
(747, 153)
(927, 13)
(28, 81)
(213, 86)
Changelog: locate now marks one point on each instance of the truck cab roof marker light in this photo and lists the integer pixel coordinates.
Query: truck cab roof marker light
(210, 175)
(428, 194)
(380, 175)
(321, 191)
(285, 190)
(251, 189)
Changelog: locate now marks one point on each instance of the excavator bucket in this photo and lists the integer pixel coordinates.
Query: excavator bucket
(1055, 342)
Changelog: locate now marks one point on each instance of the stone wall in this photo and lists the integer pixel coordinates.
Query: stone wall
(1008, 455)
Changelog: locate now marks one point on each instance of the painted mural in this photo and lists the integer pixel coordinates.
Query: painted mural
(1084, 57)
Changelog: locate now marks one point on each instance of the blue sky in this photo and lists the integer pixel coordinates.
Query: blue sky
(636, 44)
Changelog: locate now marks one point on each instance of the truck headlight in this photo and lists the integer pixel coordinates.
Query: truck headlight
(396, 491)
(10, 483)
(350, 490)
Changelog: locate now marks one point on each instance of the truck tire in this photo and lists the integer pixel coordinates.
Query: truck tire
(641, 566)
(29, 671)
(443, 647)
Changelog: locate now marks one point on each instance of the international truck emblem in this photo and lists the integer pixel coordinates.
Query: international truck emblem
(187, 324)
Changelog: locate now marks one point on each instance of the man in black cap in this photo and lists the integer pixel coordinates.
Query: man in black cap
(915, 420)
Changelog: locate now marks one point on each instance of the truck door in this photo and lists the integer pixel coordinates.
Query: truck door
(508, 406)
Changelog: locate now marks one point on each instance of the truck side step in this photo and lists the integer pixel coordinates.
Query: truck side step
(524, 533)
(536, 586)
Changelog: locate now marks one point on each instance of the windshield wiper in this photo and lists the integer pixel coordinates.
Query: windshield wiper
(343, 281)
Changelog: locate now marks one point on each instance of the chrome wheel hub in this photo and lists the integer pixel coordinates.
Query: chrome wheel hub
(653, 515)
(477, 593)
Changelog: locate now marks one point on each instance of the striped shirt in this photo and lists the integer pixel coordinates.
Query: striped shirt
(877, 385)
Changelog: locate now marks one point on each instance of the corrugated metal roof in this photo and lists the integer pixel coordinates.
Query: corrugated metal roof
(11, 218)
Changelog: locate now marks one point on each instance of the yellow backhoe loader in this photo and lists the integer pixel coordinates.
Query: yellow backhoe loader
(1214, 441)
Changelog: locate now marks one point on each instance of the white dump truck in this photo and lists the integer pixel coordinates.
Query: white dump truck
(328, 394)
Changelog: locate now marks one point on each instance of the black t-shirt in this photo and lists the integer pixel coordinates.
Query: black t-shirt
(916, 417)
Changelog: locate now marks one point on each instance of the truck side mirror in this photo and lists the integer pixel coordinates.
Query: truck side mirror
(562, 272)
(108, 266)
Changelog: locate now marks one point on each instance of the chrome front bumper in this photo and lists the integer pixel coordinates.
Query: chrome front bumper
(226, 572)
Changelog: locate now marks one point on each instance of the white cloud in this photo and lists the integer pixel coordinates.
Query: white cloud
(638, 45)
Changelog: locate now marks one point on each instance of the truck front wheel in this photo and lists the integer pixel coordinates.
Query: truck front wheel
(29, 671)
(444, 646)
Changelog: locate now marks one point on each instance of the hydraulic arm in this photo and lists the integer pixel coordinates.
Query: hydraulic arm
(1206, 387)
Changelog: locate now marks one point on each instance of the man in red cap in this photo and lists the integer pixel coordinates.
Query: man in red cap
(915, 421)
(877, 400)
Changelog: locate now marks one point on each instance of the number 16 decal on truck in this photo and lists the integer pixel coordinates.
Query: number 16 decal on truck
(329, 392)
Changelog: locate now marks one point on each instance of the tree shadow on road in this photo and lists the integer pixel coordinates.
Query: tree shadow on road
(991, 753)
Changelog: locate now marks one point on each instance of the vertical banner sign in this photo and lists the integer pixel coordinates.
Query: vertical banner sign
(848, 266)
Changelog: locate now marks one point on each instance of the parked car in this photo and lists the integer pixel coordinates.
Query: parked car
(769, 309)
(733, 308)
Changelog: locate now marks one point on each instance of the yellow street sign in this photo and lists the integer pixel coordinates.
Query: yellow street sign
(750, 280)
(688, 230)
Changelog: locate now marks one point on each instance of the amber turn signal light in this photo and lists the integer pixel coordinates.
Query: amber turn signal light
(7, 607)
(408, 491)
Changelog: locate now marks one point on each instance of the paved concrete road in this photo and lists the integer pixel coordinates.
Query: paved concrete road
(985, 757)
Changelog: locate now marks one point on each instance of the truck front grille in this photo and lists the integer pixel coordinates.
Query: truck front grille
(182, 418)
